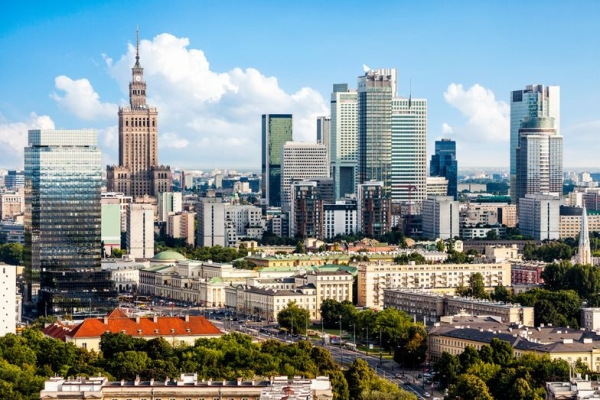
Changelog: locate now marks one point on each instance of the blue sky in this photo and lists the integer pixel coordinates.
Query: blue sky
(213, 68)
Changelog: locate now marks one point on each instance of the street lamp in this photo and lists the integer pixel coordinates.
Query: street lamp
(340, 341)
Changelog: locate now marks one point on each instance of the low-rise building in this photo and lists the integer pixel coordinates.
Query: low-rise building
(453, 334)
(374, 278)
(575, 389)
(432, 306)
(188, 386)
(527, 273)
(124, 272)
(8, 305)
(176, 330)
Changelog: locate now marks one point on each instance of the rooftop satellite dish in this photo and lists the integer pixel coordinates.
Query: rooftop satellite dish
(366, 68)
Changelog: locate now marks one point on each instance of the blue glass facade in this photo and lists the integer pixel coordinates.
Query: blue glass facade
(62, 222)
(443, 163)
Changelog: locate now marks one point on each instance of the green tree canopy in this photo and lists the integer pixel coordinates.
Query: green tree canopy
(294, 318)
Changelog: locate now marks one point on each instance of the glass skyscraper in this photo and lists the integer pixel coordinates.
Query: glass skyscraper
(533, 101)
(375, 92)
(276, 131)
(62, 222)
(344, 139)
(443, 163)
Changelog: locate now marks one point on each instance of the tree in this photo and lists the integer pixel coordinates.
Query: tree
(469, 387)
(475, 289)
(294, 318)
(300, 249)
(448, 368)
(11, 253)
(440, 245)
(468, 357)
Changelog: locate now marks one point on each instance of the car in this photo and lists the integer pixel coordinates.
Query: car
(427, 394)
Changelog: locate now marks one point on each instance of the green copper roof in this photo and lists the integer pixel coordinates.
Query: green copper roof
(168, 255)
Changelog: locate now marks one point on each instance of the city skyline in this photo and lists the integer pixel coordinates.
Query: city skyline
(213, 70)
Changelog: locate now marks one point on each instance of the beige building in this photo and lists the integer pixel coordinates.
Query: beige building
(502, 253)
(335, 285)
(11, 204)
(181, 225)
(374, 278)
(138, 173)
(570, 225)
(489, 213)
(187, 387)
(432, 306)
(568, 344)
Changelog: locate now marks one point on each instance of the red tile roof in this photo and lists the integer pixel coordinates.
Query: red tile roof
(58, 330)
(117, 322)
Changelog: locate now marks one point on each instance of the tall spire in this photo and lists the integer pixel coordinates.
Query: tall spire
(137, 47)
(584, 255)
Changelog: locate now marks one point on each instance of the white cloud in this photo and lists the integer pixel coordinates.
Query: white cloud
(80, 99)
(13, 137)
(485, 126)
(171, 139)
(447, 129)
(212, 118)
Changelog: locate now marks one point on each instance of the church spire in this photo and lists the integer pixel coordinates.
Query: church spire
(584, 255)
(137, 47)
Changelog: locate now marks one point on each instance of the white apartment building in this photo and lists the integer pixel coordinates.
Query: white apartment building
(439, 278)
(211, 222)
(334, 285)
(8, 299)
(440, 217)
(539, 216)
(409, 150)
(169, 203)
(340, 218)
(300, 162)
(140, 233)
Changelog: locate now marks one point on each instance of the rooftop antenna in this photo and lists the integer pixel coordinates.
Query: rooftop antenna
(410, 94)
(137, 46)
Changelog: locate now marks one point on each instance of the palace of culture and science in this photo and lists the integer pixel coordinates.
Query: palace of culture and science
(138, 173)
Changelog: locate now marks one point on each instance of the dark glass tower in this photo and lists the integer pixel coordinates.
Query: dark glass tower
(443, 163)
(62, 223)
(276, 131)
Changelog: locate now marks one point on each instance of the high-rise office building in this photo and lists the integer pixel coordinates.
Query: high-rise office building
(62, 251)
(138, 173)
(443, 163)
(409, 150)
(533, 101)
(276, 131)
(539, 158)
(324, 134)
(376, 89)
(14, 180)
(301, 161)
(344, 139)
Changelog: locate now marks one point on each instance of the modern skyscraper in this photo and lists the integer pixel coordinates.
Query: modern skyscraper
(443, 163)
(138, 173)
(375, 92)
(533, 101)
(301, 161)
(539, 158)
(344, 139)
(276, 131)
(409, 150)
(62, 222)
